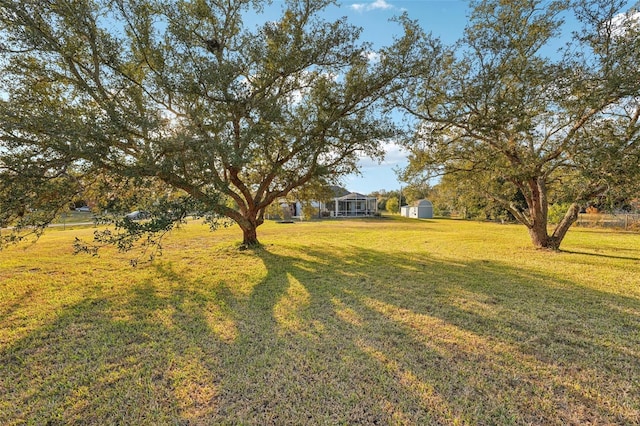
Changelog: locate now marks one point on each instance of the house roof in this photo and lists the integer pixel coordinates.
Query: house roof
(338, 191)
(354, 196)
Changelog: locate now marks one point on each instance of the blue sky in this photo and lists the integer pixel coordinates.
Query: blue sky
(445, 19)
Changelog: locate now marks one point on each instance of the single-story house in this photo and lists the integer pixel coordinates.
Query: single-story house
(349, 205)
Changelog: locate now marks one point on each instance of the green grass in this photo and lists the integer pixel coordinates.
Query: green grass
(386, 321)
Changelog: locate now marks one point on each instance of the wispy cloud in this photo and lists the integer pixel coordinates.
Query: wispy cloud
(622, 22)
(394, 155)
(375, 5)
(373, 57)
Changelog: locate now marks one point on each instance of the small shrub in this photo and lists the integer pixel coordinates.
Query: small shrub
(309, 211)
(556, 212)
(393, 205)
(274, 211)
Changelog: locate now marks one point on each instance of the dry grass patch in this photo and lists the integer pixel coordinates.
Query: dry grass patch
(384, 321)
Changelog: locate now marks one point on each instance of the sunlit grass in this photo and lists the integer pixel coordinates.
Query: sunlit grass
(387, 321)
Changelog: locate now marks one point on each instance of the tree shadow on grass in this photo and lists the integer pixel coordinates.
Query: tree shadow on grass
(330, 336)
(137, 360)
(432, 341)
(607, 256)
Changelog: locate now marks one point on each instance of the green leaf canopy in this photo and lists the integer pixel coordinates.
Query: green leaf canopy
(181, 100)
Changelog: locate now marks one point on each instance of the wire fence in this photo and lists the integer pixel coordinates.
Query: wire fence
(627, 221)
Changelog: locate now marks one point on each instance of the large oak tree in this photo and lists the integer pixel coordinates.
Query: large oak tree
(515, 113)
(182, 106)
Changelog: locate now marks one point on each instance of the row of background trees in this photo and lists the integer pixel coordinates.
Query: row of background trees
(451, 199)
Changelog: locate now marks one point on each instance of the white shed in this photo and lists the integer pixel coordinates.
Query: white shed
(422, 209)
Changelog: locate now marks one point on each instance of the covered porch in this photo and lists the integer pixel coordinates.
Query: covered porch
(353, 205)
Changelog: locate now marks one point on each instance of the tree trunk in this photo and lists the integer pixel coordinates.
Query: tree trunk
(538, 213)
(538, 209)
(569, 219)
(540, 237)
(249, 225)
(249, 236)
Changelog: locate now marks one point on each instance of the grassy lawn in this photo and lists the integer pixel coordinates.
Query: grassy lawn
(387, 321)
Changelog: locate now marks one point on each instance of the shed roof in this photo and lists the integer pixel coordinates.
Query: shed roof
(424, 203)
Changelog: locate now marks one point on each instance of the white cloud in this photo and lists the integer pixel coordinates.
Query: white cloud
(393, 155)
(375, 175)
(373, 57)
(375, 5)
(624, 21)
